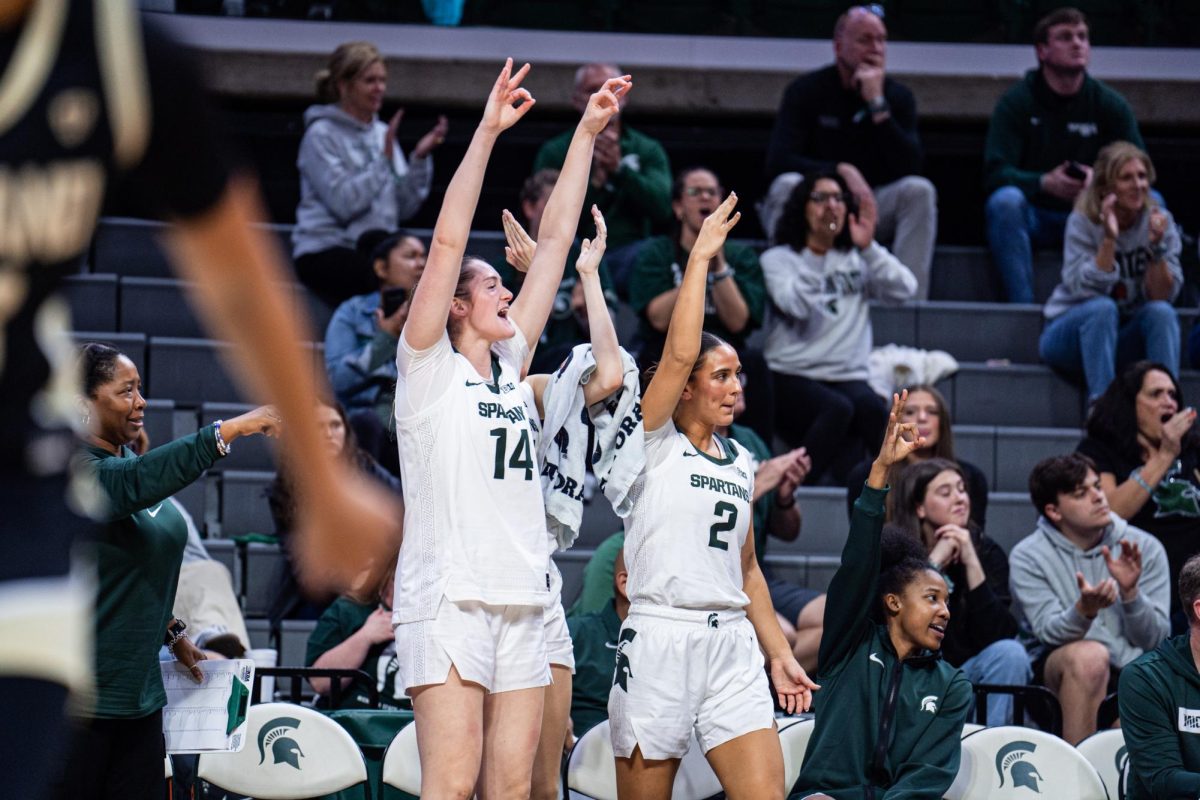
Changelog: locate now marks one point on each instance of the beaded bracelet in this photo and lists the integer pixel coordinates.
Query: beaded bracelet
(222, 447)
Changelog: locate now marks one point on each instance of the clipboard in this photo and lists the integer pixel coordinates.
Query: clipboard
(207, 717)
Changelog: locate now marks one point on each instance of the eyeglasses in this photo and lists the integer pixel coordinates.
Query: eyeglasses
(827, 197)
(873, 8)
(702, 191)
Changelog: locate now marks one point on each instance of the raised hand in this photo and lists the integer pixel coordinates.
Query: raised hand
(591, 251)
(862, 222)
(1094, 598)
(716, 227)
(1108, 216)
(508, 102)
(432, 140)
(797, 470)
(1174, 429)
(521, 246)
(605, 104)
(792, 684)
(1126, 568)
(389, 138)
(901, 439)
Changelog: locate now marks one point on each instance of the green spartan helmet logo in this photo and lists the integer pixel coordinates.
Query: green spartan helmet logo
(284, 748)
(623, 673)
(1012, 758)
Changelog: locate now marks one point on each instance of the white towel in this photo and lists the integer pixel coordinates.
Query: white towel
(614, 428)
(894, 367)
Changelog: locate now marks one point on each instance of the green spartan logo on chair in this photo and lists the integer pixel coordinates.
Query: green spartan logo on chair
(284, 749)
(1012, 758)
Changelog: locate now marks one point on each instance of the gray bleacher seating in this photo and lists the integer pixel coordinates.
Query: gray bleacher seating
(293, 642)
(158, 307)
(570, 564)
(1017, 394)
(159, 421)
(262, 564)
(244, 506)
(260, 633)
(190, 371)
(981, 331)
(1010, 518)
(131, 344)
(226, 552)
(824, 527)
(1019, 449)
(894, 324)
(967, 274)
(93, 301)
(812, 572)
(976, 444)
(130, 247)
(249, 452)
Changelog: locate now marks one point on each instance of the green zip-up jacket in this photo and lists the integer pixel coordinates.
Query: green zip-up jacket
(885, 729)
(138, 554)
(1160, 716)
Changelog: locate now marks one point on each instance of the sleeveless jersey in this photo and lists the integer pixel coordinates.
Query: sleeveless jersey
(691, 514)
(474, 522)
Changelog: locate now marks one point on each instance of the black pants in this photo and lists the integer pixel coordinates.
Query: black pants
(839, 423)
(32, 736)
(116, 759)
(336, 275)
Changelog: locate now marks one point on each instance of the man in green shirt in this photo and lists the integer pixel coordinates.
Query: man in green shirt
(630, 180)
(1041, 141)
(594, 638)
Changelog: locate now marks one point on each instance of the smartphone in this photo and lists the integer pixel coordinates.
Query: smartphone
(392, 299)
(1075, 170)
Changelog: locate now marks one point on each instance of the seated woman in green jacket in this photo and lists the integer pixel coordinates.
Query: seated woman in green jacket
(137, 553)
(890, 712)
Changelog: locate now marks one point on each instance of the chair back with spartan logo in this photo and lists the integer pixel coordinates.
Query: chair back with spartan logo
(1105, 750)
(1012, 763)
(591, 770)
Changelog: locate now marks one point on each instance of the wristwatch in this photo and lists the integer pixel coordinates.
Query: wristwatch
(175, 632)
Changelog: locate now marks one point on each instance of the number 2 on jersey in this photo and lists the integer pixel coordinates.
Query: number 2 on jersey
(521, 458)
(728, 513)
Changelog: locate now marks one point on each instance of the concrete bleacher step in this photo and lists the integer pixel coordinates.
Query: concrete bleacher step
(250, 452)
(129, 246)
(92, 300)
(244, 507)
(1006, 454)
(193, 371)
(967, 274)
(158, 307)
(262, 564)
(293, 643)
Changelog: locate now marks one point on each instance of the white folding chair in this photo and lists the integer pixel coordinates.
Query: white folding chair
(291, 752)
(402, 763)
(1105, 750)
(793, 737)
(591, 770)
(1012, 763)
(969, 728)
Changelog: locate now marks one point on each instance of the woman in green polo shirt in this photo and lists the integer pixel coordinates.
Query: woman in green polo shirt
(137, 554)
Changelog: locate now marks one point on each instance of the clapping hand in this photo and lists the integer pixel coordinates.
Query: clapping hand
(1094, 598)
(591, 251)
(508, 102)
(432, 140)
(520, 246)
(605, 103)
(1108, 216)
(1126, 568)
(862, 222)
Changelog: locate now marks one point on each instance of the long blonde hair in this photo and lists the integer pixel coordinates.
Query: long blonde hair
(346, 63)
(1111, 159)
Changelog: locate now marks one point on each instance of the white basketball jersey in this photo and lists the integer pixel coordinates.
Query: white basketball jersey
(474, 523)
(691, 514)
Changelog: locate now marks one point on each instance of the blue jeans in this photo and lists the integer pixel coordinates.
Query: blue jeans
(1001, 662)
(1014, 227)
(1092, 338)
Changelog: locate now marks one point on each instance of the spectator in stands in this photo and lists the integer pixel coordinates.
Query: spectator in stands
(885, 621)
(819, 279)
(137, 553)
(1093, 589)
(568, 323)
(734, 304)
(1157, 699)
(928, 409)
(1042, 139)
(355, 632)
(630, 178)
(596, 588)
(932, 505)
(353, 175)
(1146, 448)
(851, 118)
(360, 343)
(800, 610)
(291, 602)
(594, 638)
(1120, 275)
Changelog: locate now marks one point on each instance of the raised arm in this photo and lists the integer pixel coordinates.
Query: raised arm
(431, 300)
(605, 348)
(687, 320)
(532, 307)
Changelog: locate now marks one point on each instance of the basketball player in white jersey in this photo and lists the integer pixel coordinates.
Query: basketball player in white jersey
(471, 580)
(688, 657)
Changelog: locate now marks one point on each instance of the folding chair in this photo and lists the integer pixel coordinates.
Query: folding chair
(1023, 698)
(793, 737)
(402, 763)
(291, 752)
(591, 770)
(1011, 763)
(1105, 750)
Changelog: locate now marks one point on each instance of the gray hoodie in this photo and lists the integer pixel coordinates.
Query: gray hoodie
(818, 325)
(1042, 569)
(347, 187)
(1082, 279)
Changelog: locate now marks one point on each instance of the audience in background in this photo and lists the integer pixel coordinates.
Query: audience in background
(1156, 691)
(819, 278)
(932, 505)
(353, 175)
(1042, 139)
(360, 341)
(1120, 275)
(851, 118)
(927, 408)
(568, 322)
(594, 638)
(1093, 589)
(630, 180)
(1146, 448)
(596, 588)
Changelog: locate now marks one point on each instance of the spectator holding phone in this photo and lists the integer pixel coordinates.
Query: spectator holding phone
(1120, 275)
(360, 342)
(1043, 136)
